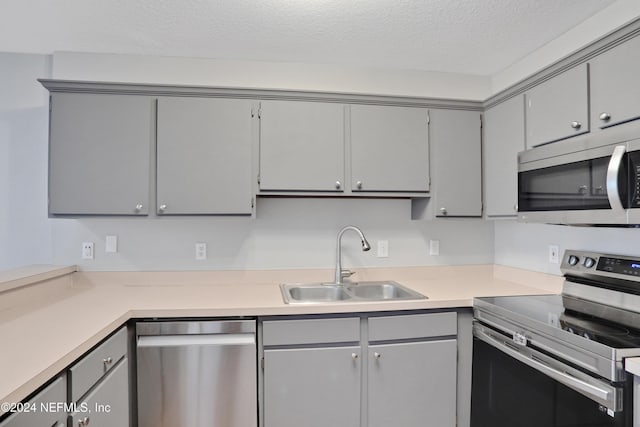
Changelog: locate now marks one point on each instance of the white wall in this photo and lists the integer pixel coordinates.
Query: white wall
(526, 245)
(609, 19)
(268, 75)
(24, 227)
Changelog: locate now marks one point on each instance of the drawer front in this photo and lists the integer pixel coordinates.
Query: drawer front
(84, 374)
(412, 326)
(46, 412)
(310, 331)
(108, 404)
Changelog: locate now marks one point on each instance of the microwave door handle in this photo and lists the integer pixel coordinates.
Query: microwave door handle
(613, 170)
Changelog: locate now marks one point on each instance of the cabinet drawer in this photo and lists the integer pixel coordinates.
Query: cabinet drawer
(53, 394)
(412, 326)
(84, 374)
(310, 331)
(108, 404)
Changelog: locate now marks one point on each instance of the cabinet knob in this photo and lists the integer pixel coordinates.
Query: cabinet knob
(338, 185)
(354, 356)
(605, 117)
(162, 208)
(583, 189)
(359, 185)
(84, 421)
(576, 125)
(443, 211)
(515, 207)
(377, 355)
(107, 361)
(139, 207)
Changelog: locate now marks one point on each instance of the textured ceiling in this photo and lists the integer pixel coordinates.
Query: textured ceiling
(478, 37)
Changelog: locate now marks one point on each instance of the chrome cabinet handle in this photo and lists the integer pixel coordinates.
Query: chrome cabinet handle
(107, 361)
(377, 355)
(515, 207)
(576, 125)
(583, 189)
(84, 421)
(162, 208)
(338, 185)
(139, 207)
(443, 211)
(605, 117)
(359, 185)
(354, 356)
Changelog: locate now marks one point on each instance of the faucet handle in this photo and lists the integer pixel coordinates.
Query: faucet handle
(346, 273)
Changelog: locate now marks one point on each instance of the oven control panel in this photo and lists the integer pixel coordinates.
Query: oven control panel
(591, 263)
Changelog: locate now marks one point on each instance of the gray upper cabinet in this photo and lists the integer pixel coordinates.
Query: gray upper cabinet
(558, 108)
(301, 146)
(503, 140)
(204, 156)
(455, 138)
(389, 149)
(615, 93)
(99, 153)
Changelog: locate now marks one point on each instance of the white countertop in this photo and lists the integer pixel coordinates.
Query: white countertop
(46, 326)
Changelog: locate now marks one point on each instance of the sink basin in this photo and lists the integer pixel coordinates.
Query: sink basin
(382, 291)
(298, 293)
(317, 293)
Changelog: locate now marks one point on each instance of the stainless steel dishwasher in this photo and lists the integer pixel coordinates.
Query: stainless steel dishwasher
(197, 374)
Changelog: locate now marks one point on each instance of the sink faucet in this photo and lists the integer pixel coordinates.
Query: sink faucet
(340, 273)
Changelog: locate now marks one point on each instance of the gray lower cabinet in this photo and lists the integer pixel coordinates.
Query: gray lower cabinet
(558, 108)
(99, 153)
(99, 384)
(312, 387)
(42, 409)
(389, 149)
(301, 146)
(615, 93)
(204, 156)
(360, 371)
(412, 384)
(455, 139)
(107, 404)
(503, 140)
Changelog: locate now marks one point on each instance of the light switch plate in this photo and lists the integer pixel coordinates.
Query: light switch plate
(383, 249)
(111, 244)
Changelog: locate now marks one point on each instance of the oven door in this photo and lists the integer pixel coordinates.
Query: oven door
(516, 386)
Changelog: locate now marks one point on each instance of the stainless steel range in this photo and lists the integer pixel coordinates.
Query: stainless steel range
(558, 360)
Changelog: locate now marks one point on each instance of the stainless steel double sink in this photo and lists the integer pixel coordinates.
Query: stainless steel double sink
(298, 293)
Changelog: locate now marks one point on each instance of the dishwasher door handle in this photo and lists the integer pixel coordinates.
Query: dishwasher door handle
(191, 340)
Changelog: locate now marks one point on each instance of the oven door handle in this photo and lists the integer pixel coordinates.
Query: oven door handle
(601, 395)
(613, 171)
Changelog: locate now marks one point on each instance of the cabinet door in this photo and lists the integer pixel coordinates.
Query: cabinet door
(312, 387)
(107, 405)
(615, 93)
(42, 410)
(455, 138)
(389, 149)
(503, 140)
(558, 108)
(412, 384)
(301, 146)
(204, 156)
(99, 154)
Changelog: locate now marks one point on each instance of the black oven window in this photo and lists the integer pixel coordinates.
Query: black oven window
(508, 393)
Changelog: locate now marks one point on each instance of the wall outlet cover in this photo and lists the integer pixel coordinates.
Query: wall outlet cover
(554, 254)
(201, 251)
(434, 247)
(87, 250)
(383, 249)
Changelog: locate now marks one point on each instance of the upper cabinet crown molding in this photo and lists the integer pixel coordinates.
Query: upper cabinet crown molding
(77, 86)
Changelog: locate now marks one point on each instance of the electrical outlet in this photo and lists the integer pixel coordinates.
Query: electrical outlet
(87, 250)
(434, 247)
(201, 251)
(383, 248)
(554, 257)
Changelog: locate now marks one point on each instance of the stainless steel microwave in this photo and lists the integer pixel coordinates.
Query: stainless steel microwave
(592, 179)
